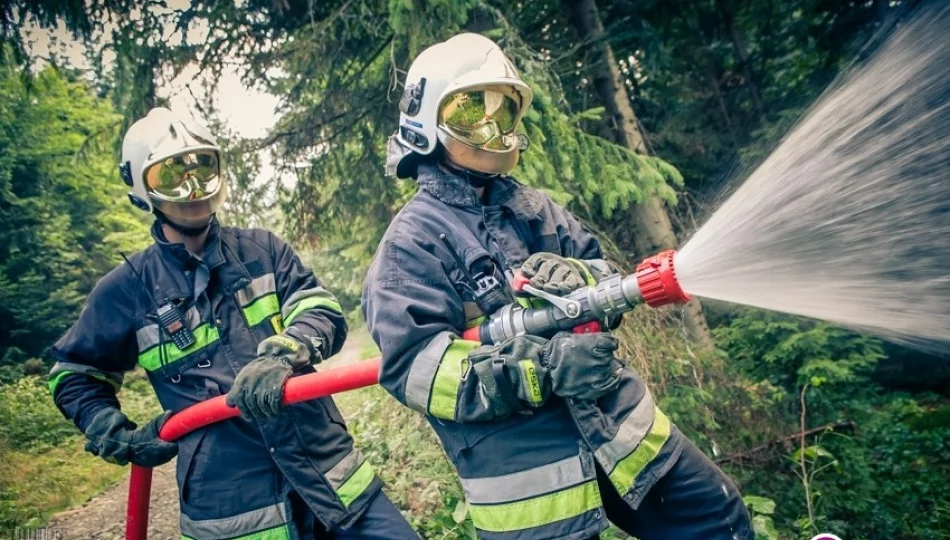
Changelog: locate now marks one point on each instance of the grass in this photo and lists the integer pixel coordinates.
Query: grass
(43, 466)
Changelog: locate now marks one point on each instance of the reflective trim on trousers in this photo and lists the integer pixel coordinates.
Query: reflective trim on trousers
(268, 523)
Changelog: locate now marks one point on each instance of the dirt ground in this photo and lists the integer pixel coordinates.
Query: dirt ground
(103, 517)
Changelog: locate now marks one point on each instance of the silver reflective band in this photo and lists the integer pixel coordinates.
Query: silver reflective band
(629, 435)
(234, 526)
(526, 484)
(259, 287)
(423, 370)
(147, 336)
(342, 471)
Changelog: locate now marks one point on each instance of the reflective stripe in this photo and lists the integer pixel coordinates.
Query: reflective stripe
(306, 299)
(584, 270)
(350, 477)
(151, 359)
(422, 371)
(525, 484)
(147, 337)
(538, 511)
(61, 370)
(531, 302)
(436, 373)
(259, 287)
(630, 433)
(625, 474)
(344, 469)
(264, 523)
(261, 309)
(356, 484)
(448, 378)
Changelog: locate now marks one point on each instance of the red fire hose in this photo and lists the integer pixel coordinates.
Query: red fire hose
(303, 388)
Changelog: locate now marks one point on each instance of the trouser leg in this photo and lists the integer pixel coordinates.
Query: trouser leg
(694, 499)
(380, 520)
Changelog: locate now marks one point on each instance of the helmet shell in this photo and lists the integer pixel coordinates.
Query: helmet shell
(462, 62)
(160, 135)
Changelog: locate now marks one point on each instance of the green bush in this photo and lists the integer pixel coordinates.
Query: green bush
(28, 417)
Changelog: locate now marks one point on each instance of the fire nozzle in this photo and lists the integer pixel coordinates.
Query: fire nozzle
(654, 282)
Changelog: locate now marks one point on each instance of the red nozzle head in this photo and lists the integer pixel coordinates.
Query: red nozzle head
(657, 281)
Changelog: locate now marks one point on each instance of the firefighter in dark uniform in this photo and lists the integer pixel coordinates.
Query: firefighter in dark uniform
(209, 310)
(551, 436)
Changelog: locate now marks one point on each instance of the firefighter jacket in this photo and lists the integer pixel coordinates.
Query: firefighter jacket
(234, 477)
(529, 475)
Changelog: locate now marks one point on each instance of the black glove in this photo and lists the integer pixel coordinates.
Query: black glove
(582, 366)
(259, 386)
(555, 274)
(116, 439)
(510, 375)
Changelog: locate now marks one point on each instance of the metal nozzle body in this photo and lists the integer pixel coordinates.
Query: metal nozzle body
(654, 282)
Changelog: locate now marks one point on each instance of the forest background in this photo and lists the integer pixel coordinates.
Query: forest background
(646, 114)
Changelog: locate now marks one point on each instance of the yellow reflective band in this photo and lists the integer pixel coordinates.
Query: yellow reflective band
(445, 387)
(625, 473)
(281, 532)
(58, 378)
(531, 376)
(151, 359)
(277, 323)
(356, 484)
(311, 303)
(584, 270)
(262, 308)
(516, 516)
(477, 321)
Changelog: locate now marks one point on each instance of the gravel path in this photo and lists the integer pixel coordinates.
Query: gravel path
(103, 517)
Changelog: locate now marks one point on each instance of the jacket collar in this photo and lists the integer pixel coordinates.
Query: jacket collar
(456, 191)
(213, 255)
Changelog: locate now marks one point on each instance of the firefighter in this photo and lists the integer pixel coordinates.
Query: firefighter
(209, 310)
(551, 436)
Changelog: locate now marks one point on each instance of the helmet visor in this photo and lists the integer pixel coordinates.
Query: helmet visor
(184, 177)
(482, 117)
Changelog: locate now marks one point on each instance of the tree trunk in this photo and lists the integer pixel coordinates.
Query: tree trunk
(653, 230)
(738, 45)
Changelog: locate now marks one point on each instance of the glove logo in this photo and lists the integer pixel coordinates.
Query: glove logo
(531, 378)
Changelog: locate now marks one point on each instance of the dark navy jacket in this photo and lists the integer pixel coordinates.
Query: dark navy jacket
(234, 477)
(530, 475)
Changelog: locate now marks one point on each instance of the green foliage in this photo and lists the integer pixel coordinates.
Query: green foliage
(43, 466)
(790, 352)
(761, 510)
(28, 418)
(61, 204)
(407, 455)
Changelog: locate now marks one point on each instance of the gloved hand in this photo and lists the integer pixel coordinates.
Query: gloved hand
(116, 439)
(510, 375)
(582, 366)
(259, 386)
(554, 274)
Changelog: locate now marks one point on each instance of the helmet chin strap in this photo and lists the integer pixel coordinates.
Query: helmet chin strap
(183, 229)
(475, 179)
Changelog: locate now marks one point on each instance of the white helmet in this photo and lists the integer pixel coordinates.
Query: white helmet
(467, 95)
(173, 166)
